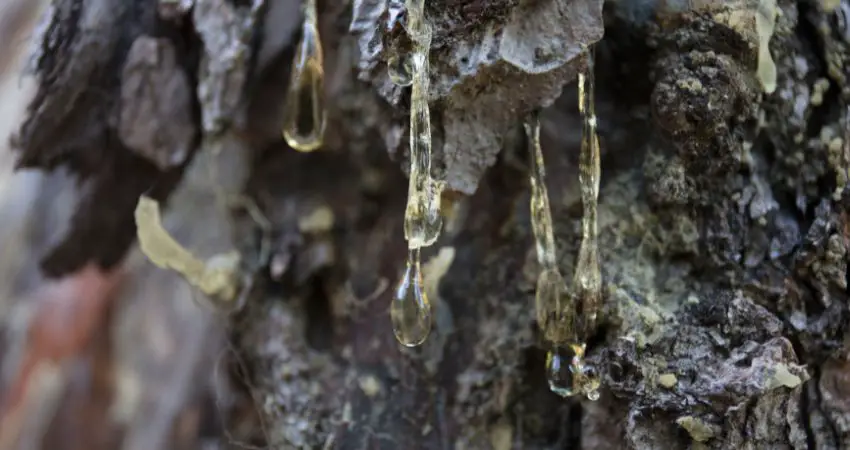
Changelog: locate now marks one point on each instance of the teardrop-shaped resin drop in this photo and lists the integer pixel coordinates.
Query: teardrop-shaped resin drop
(559, 373)
(304, 115)
(410, 309)
(569, 375)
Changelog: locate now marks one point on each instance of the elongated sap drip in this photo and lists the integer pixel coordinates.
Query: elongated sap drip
(554, 310)
(563, 327)
(422, 221)
(304, 115)
(587, 282)
(410, 310)
(541, 215)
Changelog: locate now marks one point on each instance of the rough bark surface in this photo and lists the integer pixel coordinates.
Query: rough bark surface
(724, 209)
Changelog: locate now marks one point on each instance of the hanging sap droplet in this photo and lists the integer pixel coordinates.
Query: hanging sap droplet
(400, 68)
(559, 374)
(410, 309)
(304, 115)
(568, 375)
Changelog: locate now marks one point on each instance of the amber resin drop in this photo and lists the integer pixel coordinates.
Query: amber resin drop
(304, 115)
(410, 309)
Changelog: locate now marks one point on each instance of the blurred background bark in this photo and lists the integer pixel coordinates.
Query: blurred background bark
(724, 216)
(102, 359)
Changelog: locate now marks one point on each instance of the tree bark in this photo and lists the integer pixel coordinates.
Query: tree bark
(724, 209)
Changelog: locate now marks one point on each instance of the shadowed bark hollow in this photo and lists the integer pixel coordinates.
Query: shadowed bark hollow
(724, 208)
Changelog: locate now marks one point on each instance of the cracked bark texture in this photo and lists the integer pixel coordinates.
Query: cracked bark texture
(724, 209)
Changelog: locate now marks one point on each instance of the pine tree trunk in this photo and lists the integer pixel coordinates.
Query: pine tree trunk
(724, 209)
